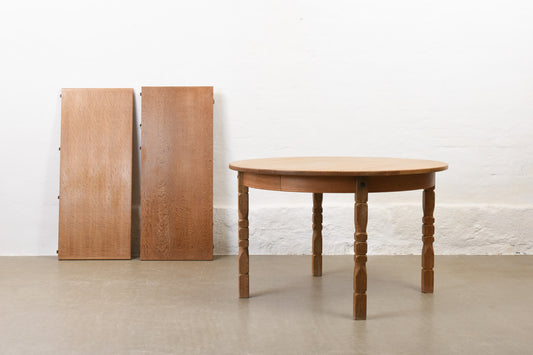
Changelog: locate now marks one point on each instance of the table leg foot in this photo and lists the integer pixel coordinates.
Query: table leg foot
(428, 230)
(244, 286)
(244, 280)
(359, 307)
(317, 234)
(360, 248)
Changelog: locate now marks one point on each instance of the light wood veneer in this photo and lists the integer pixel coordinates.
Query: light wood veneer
(177, 173)
(95, 174)
(356, 175)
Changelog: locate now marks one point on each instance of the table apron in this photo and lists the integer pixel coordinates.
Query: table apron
(333, 184)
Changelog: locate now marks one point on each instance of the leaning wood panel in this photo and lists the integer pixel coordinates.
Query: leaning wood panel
(177, 173)
(95, 174)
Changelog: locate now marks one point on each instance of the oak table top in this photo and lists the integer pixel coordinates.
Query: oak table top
(358, 175)
(338, 166)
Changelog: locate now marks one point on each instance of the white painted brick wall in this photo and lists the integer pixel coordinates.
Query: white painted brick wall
(392, 229)
(449, 80)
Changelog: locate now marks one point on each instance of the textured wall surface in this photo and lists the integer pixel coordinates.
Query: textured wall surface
(450, 81)
(392, 229)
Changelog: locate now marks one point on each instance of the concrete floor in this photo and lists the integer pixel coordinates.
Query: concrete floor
(482, 305)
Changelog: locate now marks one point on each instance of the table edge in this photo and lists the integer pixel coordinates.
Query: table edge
(338, 173)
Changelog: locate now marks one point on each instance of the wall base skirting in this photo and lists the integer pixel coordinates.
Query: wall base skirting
(392, 229)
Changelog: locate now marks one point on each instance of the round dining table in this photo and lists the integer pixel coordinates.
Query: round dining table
(357, 175)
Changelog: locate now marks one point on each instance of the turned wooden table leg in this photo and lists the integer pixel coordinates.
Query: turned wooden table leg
(360, 247)
(317, 234)
(244, 281)
(428, 229)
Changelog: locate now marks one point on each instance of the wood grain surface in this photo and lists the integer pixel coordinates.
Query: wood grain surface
(316, 264)
(338, 166)
(340, 174)
(360, 249)
(306, 183)
(95, 174)
(428, 230)
(177, 173)
(244, 257)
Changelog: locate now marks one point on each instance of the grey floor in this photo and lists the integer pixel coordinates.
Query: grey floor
(481, 305)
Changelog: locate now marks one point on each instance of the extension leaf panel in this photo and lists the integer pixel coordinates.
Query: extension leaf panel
(177, 173)
(95, 174)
